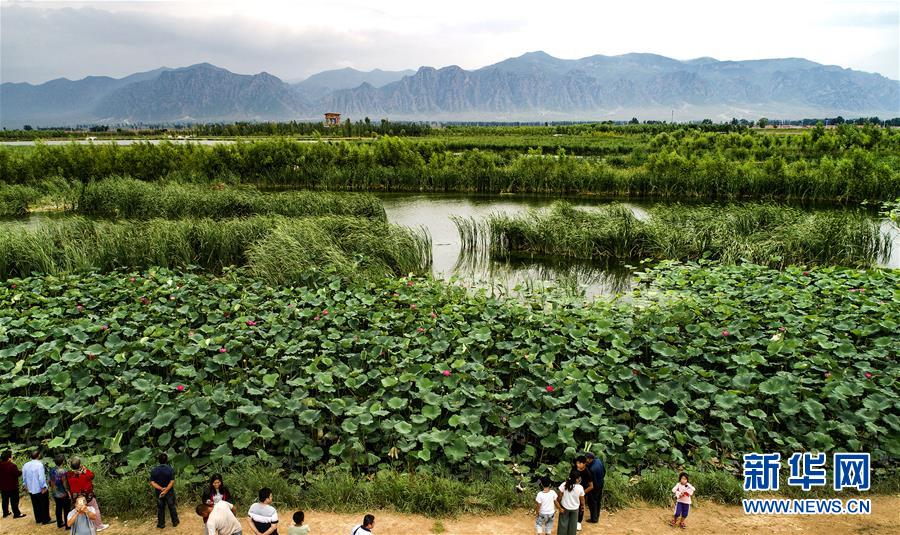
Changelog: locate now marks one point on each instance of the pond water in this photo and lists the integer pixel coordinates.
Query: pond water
(434, 212)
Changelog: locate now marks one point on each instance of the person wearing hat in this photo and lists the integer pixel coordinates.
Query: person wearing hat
(594, 497)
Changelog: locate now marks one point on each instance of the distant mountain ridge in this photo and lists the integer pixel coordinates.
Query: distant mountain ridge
(533, 86)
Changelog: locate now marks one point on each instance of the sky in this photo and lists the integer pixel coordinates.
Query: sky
(292, 39)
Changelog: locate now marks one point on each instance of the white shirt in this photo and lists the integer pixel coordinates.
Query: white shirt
(263, 513)
(569, 499)
(33, 476)
(221, 520)
(547, 501)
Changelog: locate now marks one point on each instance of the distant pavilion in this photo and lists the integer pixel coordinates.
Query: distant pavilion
(332, 119)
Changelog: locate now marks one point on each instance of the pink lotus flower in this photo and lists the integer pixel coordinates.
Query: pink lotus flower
(868, 375)
(446, 373)
(131, 279)
(421, 329)
(433, 315)
(251, 323)
(782, 329)
(222, 350)
(396, 294)
(180, 388)
(806, 273)
(13, 286)
(412, 306)
(325, 312)
(79, 307)
(190, 333)
(144, 301)
(635, 372)
(410, 283)
(104, 328)
(827, 374)
(171, 298)
(726, 334)
(550, 388)
(316, 318)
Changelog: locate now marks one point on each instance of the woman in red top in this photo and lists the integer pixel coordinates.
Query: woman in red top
(81, 483)
(9, 485)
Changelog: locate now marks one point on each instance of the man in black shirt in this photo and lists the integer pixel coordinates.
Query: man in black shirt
(586, 481)
(162, 479)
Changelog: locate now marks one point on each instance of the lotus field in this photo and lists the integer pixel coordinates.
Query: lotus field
(698, 364)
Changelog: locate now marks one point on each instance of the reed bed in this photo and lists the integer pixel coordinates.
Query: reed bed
(848, 166)
(764, 234)
(14, 200)
(122, 197)
(278, 249)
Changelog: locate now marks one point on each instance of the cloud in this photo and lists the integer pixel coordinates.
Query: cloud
(41, 41)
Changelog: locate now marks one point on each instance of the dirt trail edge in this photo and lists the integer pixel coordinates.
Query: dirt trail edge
(706, 518)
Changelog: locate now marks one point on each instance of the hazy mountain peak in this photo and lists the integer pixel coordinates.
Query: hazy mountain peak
(534, 85)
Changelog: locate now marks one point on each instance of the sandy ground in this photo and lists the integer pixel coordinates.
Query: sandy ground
(705, 518)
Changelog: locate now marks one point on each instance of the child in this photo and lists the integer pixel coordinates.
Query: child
(571, 501)
(683, 492)
(298, 528)
(545, 508)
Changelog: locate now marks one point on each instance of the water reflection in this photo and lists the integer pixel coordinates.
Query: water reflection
(461, 241)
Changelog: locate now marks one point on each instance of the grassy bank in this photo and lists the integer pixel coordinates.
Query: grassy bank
(714, 166)
(697, 363)
(763, 234)
(429, 494)
(277, 249)
(135, 199)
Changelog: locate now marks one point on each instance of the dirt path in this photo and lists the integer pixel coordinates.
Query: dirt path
(706, 519)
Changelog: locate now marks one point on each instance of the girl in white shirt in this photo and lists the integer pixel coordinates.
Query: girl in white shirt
(570, 502)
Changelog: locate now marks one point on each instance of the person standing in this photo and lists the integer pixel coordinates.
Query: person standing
(34, 476)
(595, 497)
(59, 486)
(263, 517)
(162, 479)
(81, 483)
(587, 482)
(544, 508)
(570, 502)
(217, 492)
(9, 485)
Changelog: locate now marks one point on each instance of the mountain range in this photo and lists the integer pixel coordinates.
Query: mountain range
(534, 86)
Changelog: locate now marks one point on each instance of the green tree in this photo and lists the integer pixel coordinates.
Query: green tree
(763, 122)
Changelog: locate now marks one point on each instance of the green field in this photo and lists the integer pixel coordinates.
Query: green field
(249, 307)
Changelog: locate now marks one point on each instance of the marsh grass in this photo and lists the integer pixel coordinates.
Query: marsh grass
(277, 249)
(765, 234)
(127, 198)
(15, 200)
